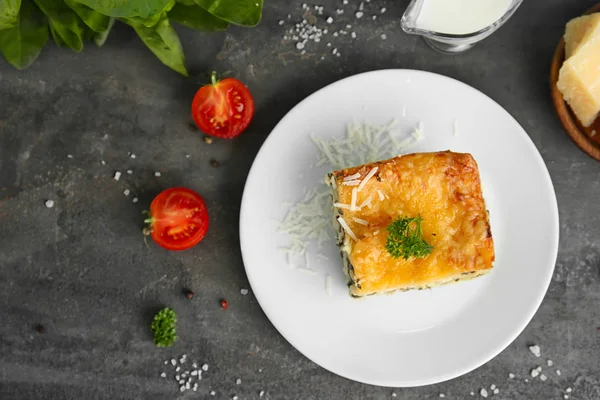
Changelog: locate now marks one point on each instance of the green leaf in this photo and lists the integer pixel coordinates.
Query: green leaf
(163, 327)
(196, 17)
(153, 19)
(21, 45)
(100, 38)
(239, 12)
(405, 238)
(163, 41)
(186, 2)
(126, 8)
(9, 11)
(96, 21)
(64, 22)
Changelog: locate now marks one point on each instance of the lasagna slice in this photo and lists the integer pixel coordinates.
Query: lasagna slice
(443, 189)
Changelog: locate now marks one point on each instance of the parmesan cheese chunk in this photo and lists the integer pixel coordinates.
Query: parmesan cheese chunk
(579, 77)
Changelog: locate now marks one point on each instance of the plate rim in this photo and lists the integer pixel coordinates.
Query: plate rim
(501, 345)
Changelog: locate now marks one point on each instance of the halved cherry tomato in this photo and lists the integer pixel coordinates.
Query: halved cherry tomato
(223, 108)
(178, 219)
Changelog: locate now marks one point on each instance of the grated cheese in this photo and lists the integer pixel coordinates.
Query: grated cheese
(367, 203)
(347, 228)
(381, 195)
(360, 221)
(352, 177)
(353, 202)
(340, 205)
(369, 176)
(328, 285)
(351, 183)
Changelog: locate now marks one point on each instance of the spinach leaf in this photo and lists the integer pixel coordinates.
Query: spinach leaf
(153, 19)
(186, 2)
(239, 12)
(22, 43)
(100, 38)
(64, 23)
(196, 17)
(92, 18)
(9, 11)
(126, 8)
(163, 41)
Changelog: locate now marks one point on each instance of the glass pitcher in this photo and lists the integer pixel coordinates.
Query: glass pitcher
(455, 39)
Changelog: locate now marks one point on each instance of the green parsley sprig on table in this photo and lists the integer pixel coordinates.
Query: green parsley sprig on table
(163, 327)
(405, 238)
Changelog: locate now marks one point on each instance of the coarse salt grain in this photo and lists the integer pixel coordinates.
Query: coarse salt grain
(511, 376)
(173, 362)
(129, 172)
(212, 392)
(383, 10)
(238, 381)
(126, 192)
(568, 390)
(558, 372)
(117, 176)
(329, 20)
(157, 174)
(492, 386)
(205, 367)
(261, 394)
(496, 391)
(49, 203)
(483, 393)
(442, 395)
(543, 377)
(550, 363)
(383, 36)
(394, 394)
(244, 292)
(359, 14)
(135, 200)
(132, 156)
(534, 372)
(535, 350)
(163, 375)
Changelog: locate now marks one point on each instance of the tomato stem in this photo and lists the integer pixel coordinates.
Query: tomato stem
(214, 78)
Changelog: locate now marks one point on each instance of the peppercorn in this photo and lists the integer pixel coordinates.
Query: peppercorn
(40, 328)
(214, 163)
(224, 304)
(188, 294)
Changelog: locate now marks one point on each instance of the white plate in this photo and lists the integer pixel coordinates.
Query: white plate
(412, 338)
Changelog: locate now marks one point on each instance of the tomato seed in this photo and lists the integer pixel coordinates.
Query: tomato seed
(224, 304)
(208, 139)
(214, 163)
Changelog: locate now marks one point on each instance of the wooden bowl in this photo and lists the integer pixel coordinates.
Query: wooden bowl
(588, 139)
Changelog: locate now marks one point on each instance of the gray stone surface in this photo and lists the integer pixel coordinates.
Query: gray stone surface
(82, 270)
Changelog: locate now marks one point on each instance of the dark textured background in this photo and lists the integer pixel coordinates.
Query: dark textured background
(82, 270)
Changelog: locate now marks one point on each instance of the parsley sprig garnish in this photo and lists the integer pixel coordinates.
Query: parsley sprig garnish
(163, 327)
(405, 238)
